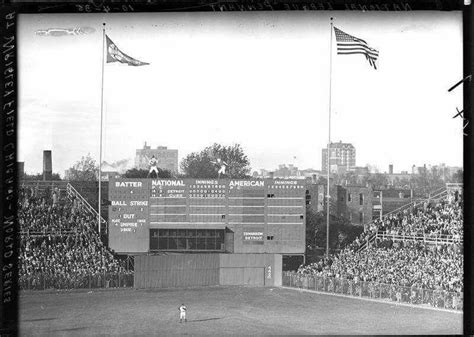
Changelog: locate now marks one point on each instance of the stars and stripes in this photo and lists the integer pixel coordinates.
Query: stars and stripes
(348, 45)
(116, 55)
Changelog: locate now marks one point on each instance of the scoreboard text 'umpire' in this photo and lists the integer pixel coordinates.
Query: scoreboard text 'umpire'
(207, 215)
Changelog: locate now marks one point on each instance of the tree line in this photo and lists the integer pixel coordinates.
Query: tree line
(200, 165)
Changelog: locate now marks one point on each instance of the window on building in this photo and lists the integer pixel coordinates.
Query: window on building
(349, 197)
(361, 199)
(361, 217)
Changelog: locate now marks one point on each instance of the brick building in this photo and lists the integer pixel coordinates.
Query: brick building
(342, 157)
(167, 158)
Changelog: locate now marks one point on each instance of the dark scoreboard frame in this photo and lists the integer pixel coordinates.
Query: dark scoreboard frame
(216, 215)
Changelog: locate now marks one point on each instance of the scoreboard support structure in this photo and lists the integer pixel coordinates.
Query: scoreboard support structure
(186, 270)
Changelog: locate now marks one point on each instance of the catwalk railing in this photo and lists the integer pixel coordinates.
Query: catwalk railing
(377, 291)
(103, 280)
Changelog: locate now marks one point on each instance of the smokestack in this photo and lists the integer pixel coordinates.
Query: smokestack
(390, 169)
(47, 165)
(21, 169)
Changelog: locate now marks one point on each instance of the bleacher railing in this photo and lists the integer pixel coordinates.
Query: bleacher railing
(378, 291)
(435, 195)
(436, 239)
(426, 238)
(52, 232)
(367, 243)
(40, 186)
(455, 186)
(73, 193)
(103, 280)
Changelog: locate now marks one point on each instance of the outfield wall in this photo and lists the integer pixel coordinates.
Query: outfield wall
(187, 270)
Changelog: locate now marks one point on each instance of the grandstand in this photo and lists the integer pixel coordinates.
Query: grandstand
(412, 255)
(60, 246)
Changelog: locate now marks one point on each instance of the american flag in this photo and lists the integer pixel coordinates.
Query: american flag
(348, 44)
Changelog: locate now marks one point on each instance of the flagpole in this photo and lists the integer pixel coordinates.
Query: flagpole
(101, 121)
(329, 141)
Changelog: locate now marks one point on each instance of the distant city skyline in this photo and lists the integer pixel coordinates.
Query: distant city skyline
(122, 165)
(256, 79)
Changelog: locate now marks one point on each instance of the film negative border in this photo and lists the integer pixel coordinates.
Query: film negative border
(8, 174)
(101, 6)
(8, 101)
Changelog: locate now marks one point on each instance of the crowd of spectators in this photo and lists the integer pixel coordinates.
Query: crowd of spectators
(47, 213)
(443, 217)
(413, 264)
(59, 240)
(409, 263)
(431, 219)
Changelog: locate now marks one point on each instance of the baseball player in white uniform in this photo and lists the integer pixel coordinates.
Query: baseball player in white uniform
(182, 313)
(222, 166)
(153, 168)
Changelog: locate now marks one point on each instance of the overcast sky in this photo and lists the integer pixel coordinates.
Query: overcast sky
(260, 79)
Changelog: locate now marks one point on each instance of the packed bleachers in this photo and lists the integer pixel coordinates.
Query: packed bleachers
(59, 241)
(441, 219)
(411, 265)
(407, 263)
(48, 214)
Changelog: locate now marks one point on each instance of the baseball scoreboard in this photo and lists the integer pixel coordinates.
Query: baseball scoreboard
(215, 215)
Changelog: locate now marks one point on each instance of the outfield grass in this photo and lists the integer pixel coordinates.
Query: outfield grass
(221, 310)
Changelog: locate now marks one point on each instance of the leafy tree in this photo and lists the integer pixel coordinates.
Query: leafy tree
(203, 164)
(402, 183)
(341, 233)
(457, 177)
(351, 178)
(378, 180)
(137, 173)
(322, 181)
(426, 182)
(85, 169)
